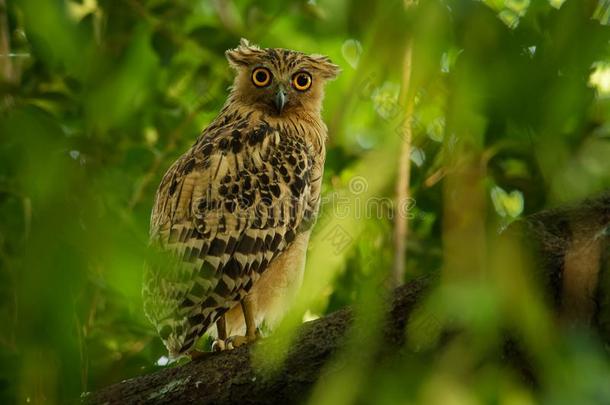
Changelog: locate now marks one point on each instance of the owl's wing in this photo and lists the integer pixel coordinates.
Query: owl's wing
(224, 210)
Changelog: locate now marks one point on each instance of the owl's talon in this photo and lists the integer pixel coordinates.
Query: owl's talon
(219, 345)
(234, 342)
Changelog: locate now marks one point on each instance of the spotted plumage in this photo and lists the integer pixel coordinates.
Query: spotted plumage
(239, 205)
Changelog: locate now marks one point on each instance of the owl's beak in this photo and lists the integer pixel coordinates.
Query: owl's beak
(280, 100)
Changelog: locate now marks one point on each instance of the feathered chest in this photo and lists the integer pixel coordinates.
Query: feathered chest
(225, 210)
(259, 175)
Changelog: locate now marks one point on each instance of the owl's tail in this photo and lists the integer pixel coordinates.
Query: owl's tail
(181, 336)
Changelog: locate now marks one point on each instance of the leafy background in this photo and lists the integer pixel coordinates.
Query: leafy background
(98, 97)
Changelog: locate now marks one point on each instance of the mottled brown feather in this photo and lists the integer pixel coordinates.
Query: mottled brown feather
(235, 202)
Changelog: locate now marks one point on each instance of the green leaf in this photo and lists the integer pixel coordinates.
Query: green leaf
(507, 204)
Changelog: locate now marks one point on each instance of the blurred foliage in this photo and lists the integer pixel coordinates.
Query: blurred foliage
(98, 97)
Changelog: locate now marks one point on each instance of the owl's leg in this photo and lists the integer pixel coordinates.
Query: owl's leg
(251, 331)
(221, 328)
(248, 308)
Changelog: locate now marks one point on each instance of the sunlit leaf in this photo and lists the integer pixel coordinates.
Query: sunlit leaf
(557, 3)
(602, 12)
(600, 79)
(385, 100)
(509, 17)
(79, 10)
(507, 204)
(351, 51)
(418, 156)
(436, 129)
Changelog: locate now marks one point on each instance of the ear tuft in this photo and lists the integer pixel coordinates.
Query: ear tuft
(243, 54)
(326, 68)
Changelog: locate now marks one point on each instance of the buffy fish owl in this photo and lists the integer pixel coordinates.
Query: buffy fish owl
(235, 211)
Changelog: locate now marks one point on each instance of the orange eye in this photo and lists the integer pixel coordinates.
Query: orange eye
(301, 81)
(261, 77)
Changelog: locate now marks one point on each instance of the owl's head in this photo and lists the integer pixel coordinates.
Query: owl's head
(279, 81)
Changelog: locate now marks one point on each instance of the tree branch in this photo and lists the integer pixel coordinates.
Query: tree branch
(228, 377)
(403, 178)
(207, 380)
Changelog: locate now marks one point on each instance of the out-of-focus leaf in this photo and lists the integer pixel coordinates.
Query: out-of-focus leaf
(507, 204)
(126, 88)
(351, 51)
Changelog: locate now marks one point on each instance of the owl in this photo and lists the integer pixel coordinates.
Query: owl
(234, 213)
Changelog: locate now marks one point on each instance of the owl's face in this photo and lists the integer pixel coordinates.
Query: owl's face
(279, 82)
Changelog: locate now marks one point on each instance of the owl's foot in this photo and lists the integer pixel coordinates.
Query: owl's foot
(252, 332)
(219, 345)
(234, 342)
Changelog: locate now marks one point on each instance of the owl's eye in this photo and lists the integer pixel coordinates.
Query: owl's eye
(261, 77)
(301, 81)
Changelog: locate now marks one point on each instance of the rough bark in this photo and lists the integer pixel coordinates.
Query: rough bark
(564, 238)
(228, 377)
